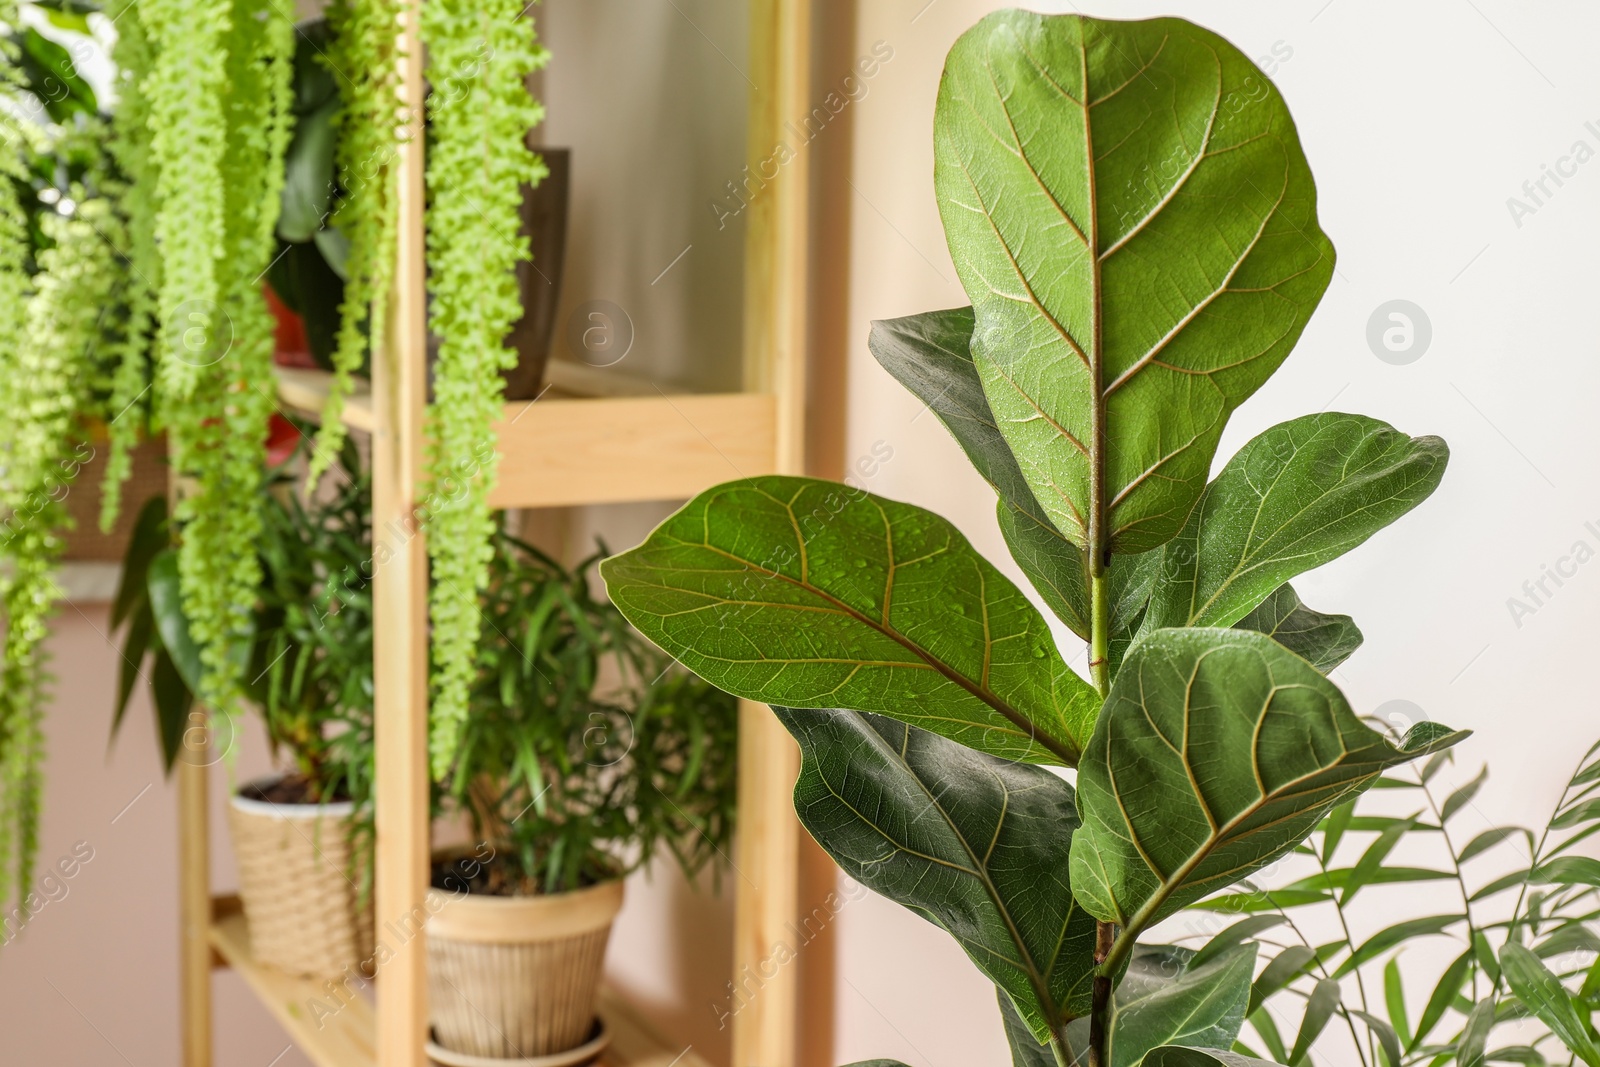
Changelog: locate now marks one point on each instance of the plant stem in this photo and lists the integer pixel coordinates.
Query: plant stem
(1461, 882)
(1100, 630)
(1100, 1009)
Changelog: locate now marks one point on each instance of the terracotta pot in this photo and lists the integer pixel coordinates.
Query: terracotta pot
(298, 886)
(517, 977)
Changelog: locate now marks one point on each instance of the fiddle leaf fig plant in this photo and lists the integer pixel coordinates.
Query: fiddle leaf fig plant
(1130, 212)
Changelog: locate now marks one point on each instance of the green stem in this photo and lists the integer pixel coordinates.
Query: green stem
(1461, 882)
(1105, 934)
(1100, 629)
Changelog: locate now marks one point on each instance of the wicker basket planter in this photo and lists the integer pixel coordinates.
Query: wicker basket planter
(296, 882)
(515, 978)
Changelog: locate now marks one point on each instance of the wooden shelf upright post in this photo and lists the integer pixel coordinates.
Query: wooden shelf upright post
(775, 307)
(400, 601)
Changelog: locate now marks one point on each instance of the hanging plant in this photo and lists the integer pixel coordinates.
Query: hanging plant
(130, 402)
(218, 100)
(47, 381)
(481, 53)
(363, 44)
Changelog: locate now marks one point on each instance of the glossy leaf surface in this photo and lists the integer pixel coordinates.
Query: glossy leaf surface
(1217, 752)
(975, 844)
(1302, 493)
(1131, 214)
(806, 593)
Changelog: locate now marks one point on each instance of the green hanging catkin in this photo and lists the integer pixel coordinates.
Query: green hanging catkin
(47, 382)
(130, 402)
(219, 514)
(480, 54)
(363, 57)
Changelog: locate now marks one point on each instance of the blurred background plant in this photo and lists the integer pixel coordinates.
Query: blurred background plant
(309, 669)
(586, 749)
(1523, 980)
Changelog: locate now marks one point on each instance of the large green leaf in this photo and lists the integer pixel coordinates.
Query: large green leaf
(1026, 1050)
(1324, 641)
(1302, 493)
(811, 594)
(1217, 752)
(976, 844)
(930, 354)
(1166, 999)
(1131, 214)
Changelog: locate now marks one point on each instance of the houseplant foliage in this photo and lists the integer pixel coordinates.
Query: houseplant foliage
(59, 290)
(480, 112)
(1518, 902)
(1118, 317)
(583, 757)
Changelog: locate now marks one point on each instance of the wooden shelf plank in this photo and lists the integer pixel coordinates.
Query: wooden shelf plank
(342, 1039)
(562, 451)
(600, 451)
(305, 390)
(346, 1038)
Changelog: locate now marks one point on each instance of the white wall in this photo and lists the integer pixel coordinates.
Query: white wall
(1420, 119)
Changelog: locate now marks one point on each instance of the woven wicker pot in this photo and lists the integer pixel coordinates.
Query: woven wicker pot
(517, 977)
(297, 885)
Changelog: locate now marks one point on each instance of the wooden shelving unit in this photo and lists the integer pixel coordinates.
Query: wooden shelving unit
(594, 437)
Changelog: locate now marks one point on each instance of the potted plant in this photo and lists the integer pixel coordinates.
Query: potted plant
(1130, 212)
(301, 836)
(582, 757)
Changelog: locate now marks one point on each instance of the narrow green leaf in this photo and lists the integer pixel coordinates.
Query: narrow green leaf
(1372, 859)
(1541, 991)
(1390, 936)
(1275, 977)
(1262, 1023)
(1295, 497)
(1240, 932)
(1463, 796)
(1526, 1055)
(1342, 877)
(806, 593)
(1334, 828)
(1568, 870)
(1500, 885)
(1444, 994)
(149, 537)
(1324, 1001)
(1394, 1000)
(966, 840)
(1217, 752)
(166, 605)
(1489, 838)
(1246, 903)
(1388, 1040)
(1432, 767)
(172, 698)
(1120, 316)
(1475, 1034)
(1325, 641)
(1483, 952)
(1587, 811)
